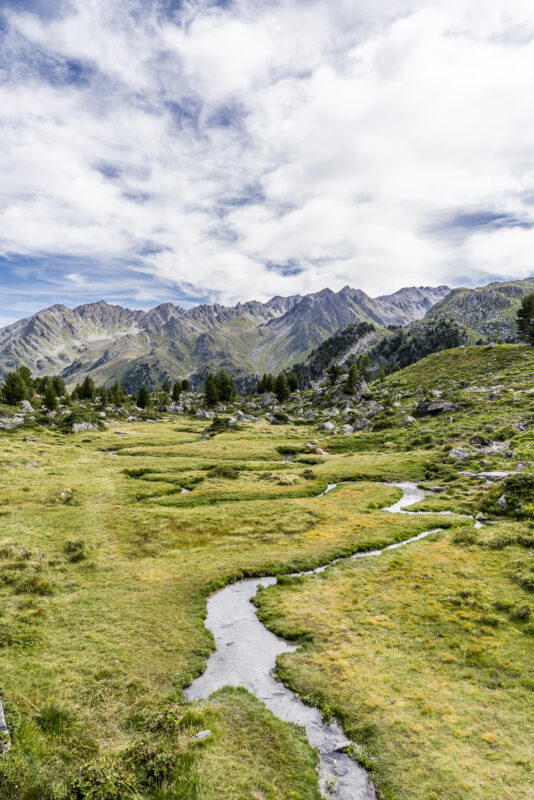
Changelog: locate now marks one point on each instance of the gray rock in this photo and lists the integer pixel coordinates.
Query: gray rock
(80, 427)
(27, 407)
(328, 426)
(459, 454)
(409, 420)
(494, 476)
(8, 423)
(502, 502)
(361, 425)
(5, 741)
(121, 433)
(201, 736)
(374, 411)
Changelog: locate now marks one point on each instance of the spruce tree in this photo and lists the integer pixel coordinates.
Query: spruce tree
(166, 387)
(143, 398)
(281, 388)
(59, 386)
(50, 396)
(87, 390)
(351, 384)
(292, 382)
(176, 389)
(525, 319)
(211, 392)
(14, 389)
(115, 393)
(185, 385)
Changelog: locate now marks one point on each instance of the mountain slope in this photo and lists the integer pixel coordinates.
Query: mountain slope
(110, 342)
(487, 310)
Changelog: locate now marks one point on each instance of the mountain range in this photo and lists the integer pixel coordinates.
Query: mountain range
(111, 343)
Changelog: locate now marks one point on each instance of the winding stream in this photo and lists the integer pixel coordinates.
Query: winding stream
(246, 653)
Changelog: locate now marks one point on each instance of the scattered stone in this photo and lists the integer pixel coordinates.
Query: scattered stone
(361, 425)
(494, 476)
(27, 407)
(502, 502)
(424, 408)
(409, 420)
(459, 454)
(8, 423)
(201, 736)
(30, 463)
(328, 426)
(374, 411)
(80, 427)
(203, 414)
(121, 433)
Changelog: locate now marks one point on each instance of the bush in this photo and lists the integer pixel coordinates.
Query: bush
(75, 550)
(54, 720)
(222, 471)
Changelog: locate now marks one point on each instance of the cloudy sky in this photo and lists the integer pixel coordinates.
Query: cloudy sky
(193, 151)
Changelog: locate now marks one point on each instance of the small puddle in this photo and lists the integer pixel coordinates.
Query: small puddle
(246, 653)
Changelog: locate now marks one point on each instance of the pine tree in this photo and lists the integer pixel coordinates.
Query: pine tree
(59, 386)
(281, 388)
(224, 385)
(166, 387)
(143, 398)
(50, 396)
(185, 385)
(102, 394)
(269, 382)
(176, 389)
(525, 319)
(115, 394)
(87, 390)
(14, 389)
(351, 384)
(211, 392)
(260, 386)
(292, 382)
(334, 372)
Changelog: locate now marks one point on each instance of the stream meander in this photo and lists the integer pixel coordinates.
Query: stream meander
(246, 653)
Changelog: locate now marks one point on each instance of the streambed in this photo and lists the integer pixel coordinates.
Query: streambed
(246, 653)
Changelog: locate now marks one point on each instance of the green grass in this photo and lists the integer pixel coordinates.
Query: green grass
(106, 567)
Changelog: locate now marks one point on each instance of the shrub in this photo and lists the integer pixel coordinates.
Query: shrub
(75, 550)
(54, 720)
(222, 471)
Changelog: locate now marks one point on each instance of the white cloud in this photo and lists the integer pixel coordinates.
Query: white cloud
(351, 138)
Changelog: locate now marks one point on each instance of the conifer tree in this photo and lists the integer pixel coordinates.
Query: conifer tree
(281, 388)
(143, 398)
(50, 396)
(525, 319)
(292, 382)
(351, 384)
(211, 392)
(14, 389)
(176, 389)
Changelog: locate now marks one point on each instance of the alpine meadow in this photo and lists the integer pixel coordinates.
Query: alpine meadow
(266, 400)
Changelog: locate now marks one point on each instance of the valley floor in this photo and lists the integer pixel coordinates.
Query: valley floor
(426, 655)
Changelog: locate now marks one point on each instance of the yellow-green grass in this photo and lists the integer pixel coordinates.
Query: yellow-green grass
(109, 636)
(427, 655)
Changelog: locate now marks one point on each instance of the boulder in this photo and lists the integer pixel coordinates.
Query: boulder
(27, 407)
(374, 411)
(8, 423)
(459, 454)
(494, 476)
(328, 426)
(200, 736)
(409, 420)
(80, 427)
(424, 408)
(361, 425)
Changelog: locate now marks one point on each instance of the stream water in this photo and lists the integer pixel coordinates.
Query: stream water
(246, 653)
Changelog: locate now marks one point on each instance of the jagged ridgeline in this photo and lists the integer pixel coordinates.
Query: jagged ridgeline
(148, 348)
(300, 333)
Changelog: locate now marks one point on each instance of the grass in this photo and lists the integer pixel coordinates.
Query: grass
(106, 566)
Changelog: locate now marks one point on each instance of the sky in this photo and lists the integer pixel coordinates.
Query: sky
(200, 151)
